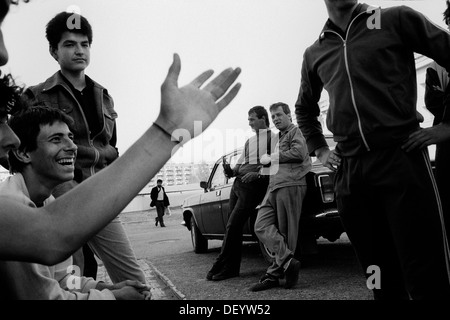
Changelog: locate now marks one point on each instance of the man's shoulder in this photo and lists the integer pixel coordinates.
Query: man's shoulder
(50, 82)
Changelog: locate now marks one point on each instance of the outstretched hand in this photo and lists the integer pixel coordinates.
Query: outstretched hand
(181, 107)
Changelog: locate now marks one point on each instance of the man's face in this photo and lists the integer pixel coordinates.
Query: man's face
(280, 119)
(8, 139)
(54, 158)
(255, 123)
(159, 183)
(73, 52)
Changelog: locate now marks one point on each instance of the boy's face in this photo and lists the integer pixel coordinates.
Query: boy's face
(54, 158)
(73, 52)
(280, 119)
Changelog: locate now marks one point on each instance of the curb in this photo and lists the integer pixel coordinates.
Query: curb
(167, 281)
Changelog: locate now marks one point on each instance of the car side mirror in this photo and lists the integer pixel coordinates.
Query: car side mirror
(204, 185)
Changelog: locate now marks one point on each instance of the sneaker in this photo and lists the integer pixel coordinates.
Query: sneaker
(266, 282)
(225, 274)
(292, 273)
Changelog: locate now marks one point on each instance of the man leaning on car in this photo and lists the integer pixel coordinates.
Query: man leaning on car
(277, 223)
(247, 192)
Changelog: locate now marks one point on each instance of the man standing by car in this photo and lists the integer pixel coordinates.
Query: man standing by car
(160, 200)
(385, 189)
(277, 223)
(246, 193)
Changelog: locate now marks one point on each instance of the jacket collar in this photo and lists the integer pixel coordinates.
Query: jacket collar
(57, 80)
(330, 26)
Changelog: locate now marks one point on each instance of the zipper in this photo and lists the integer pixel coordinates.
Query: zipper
(91, 141)
(347, 68)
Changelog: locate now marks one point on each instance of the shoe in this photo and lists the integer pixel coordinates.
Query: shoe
(215, 269)
(292, 273)
(225, 274)
(266, 282)
(209, 276)
(162, 225)
(156, 221)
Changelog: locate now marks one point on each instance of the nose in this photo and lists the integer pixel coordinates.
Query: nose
(71, 146)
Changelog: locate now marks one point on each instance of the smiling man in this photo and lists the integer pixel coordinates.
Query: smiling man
(92, 109)
(45, 159)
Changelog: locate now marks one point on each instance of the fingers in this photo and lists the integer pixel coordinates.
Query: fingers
(229, 97)
(201, 79)
(219, 85)
(174, 71)
(136, 284)
(417, 140)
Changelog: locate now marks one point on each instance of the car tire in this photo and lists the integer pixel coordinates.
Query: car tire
(268, 256)
(199, 242)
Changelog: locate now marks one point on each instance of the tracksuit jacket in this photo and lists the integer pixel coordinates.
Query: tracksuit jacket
(94, 152)
(372, 105)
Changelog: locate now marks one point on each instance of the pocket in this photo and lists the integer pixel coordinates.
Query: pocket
(109, 119)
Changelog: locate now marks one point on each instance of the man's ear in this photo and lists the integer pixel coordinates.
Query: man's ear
(22, 155)
(53, 52)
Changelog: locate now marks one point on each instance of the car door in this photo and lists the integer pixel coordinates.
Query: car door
(211, 209)
(232, 159)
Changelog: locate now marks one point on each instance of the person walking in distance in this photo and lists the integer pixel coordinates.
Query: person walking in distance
(160, 201)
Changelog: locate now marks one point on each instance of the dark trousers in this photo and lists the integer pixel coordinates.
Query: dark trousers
(390, 209)
(443, 179)
(160, 211)
(90, 264)
(244, 198)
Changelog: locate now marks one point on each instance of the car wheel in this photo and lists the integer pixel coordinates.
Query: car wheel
(199, 242)
(268, 256)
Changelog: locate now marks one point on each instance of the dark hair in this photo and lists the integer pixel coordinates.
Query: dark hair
(11, 100)
(159, 180)
(260, 112)
(285, 107)
(27, 125)
(447, 13)
(62, 23)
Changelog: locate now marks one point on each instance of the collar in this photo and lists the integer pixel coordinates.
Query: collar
(289, 128)
(89, 83)
(58, 80)
(330, 26)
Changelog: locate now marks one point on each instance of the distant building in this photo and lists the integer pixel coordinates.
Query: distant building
(183, 173)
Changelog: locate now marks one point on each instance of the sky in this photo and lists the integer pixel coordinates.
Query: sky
(134, 42)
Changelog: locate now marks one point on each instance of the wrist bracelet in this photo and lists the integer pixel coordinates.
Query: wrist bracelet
(165, 131)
